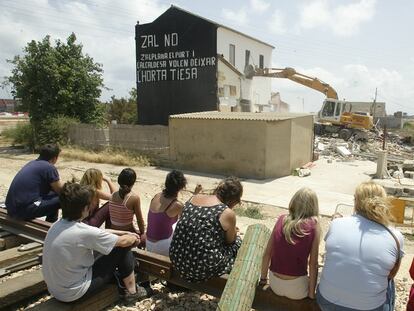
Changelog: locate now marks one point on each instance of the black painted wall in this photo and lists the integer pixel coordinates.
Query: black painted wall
(176, 66)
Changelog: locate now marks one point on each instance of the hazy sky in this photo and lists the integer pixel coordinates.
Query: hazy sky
(354, 45)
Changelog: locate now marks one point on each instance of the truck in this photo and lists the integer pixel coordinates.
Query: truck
(345, 118)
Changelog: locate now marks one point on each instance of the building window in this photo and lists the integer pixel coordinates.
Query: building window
(232, 54)
(220, 92)
(233, 91)
(261, 61)
(247, 60)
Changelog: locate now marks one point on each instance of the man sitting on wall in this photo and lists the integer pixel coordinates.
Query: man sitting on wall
(34, 190)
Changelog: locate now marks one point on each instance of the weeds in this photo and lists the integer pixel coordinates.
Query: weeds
(110, 156)
(250, 211)
(22, 134)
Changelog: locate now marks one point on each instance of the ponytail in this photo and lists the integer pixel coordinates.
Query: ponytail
(123, 191)
(372, 203)
(126, 181)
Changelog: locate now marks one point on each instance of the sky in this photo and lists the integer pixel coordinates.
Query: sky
(357, 46)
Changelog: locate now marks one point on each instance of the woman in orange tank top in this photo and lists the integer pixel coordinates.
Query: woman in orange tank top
(124, 204)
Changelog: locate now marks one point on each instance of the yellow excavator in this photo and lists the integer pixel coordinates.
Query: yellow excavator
(336, 116)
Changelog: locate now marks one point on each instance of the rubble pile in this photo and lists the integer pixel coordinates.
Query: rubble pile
(336, 148)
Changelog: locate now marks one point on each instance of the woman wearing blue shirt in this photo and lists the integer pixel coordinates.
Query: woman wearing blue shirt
(360, 254)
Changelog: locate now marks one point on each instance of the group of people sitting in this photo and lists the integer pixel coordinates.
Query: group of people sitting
(201, 237)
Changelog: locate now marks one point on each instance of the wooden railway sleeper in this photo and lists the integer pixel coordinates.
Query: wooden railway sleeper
(20, 266)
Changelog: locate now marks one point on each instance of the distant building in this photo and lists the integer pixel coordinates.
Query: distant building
(8, 105)
(186, 63)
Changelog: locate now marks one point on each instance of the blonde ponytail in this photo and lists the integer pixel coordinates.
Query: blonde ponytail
(372, 203)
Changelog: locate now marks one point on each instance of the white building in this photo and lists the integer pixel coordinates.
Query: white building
(239, 50)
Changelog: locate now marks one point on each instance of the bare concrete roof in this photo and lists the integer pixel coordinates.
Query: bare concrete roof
(247, 116)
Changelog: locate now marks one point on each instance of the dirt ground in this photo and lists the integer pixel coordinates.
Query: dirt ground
(12, 160)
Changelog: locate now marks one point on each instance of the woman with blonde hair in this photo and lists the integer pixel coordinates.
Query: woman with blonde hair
(362, 256)
(94, 179)
(293, 247)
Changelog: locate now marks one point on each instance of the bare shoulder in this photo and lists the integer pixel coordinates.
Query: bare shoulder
(228, 214)
(175, 209)
(205, 200)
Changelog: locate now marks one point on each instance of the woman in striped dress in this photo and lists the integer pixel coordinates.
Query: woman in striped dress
(124, 204)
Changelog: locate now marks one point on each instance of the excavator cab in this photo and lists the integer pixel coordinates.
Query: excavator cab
(340, 113)
(331, 111)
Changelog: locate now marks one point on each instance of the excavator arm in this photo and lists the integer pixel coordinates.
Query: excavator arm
(291, 74)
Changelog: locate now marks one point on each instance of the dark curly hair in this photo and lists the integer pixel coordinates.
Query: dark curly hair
(126, 181)
(229, 191)
(174, 182)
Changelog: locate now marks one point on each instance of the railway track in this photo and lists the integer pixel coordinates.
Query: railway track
(21, 249)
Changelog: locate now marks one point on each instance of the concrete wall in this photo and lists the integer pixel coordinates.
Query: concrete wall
(261, 92)
(245, 148)
(301, 151)
(277, 148)
(138, 137)
(226, 78)
(226, 147)
(149, 138)
(391, 121)
(89, 136)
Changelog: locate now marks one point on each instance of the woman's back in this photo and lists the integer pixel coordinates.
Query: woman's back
(120, 215)
(292, 259)
(198, 249)
(159, 220)
(359, 256)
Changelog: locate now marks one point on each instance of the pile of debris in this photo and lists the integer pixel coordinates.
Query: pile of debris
(397, 148)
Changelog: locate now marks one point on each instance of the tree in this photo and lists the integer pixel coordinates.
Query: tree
(123, 110)
(58, 79)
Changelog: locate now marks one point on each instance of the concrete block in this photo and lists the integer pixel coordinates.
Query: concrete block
(409, 191)
(343, 151)
(408, 165)
(394, 190)
(409, 174)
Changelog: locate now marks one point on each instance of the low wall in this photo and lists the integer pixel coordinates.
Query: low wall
(89, 136)
(391, 121)
(151, 139)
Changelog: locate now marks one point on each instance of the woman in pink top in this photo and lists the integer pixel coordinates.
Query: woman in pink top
(163, 213)
(124, 204)
(293, 247)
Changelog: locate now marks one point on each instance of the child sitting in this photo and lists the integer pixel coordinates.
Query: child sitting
(294, 240)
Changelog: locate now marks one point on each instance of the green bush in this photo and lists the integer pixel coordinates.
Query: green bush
(55, 130)
(250, 211)
(22, 134)
(408, 125)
